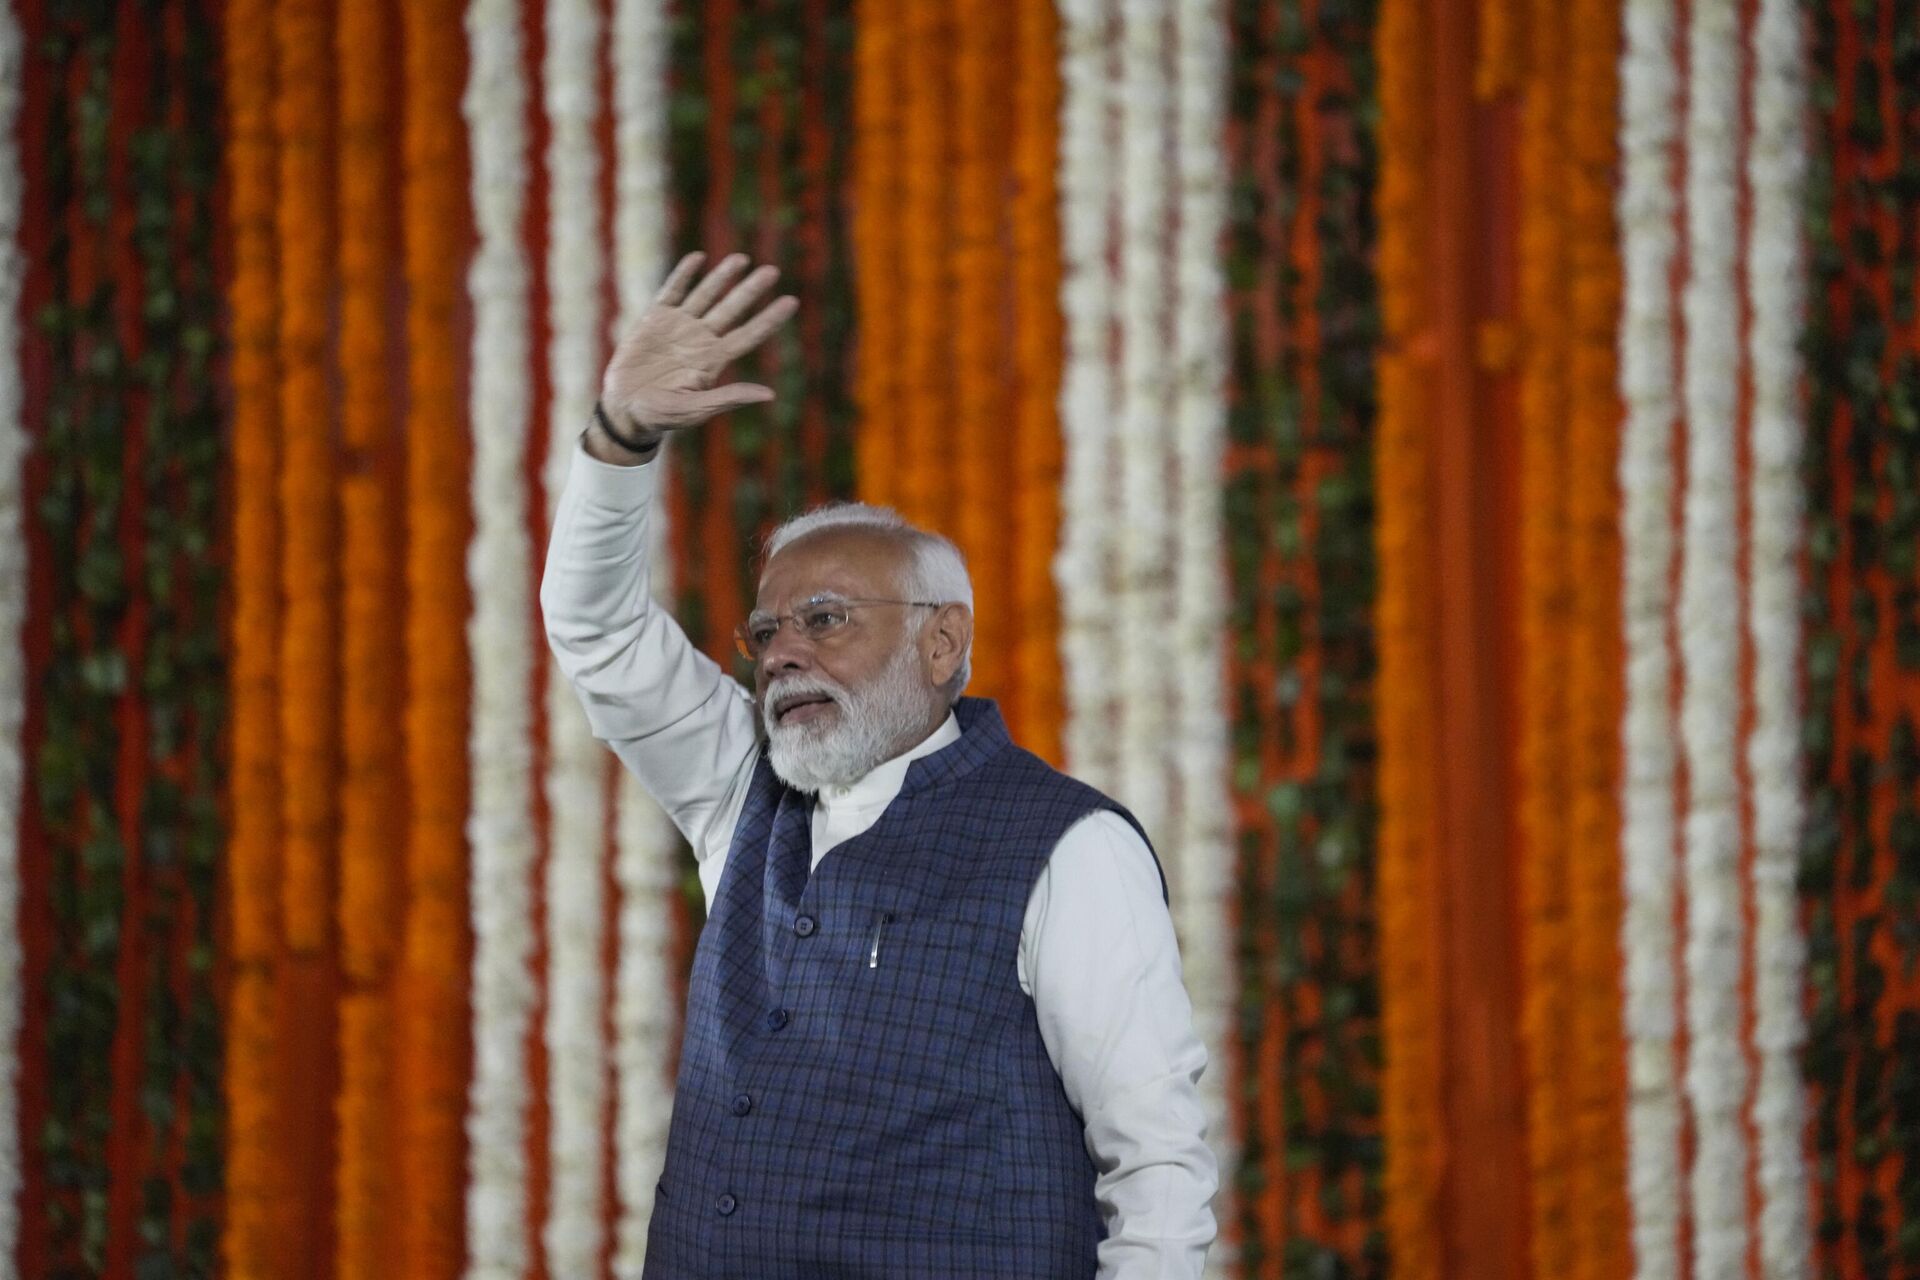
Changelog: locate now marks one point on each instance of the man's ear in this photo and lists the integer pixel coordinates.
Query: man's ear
(946, 639)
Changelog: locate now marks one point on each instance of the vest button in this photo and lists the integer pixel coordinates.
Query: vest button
(777, 1019)
(726, 1204)
(742, 1103)
(805, 926)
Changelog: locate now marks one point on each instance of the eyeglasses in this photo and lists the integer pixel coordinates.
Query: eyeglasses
(817, 620)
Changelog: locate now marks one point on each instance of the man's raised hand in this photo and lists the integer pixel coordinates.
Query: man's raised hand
(662, 375)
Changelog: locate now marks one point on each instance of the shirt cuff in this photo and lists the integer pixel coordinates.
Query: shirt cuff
(608, 484)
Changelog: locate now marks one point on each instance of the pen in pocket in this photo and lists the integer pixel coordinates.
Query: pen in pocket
(873, 953)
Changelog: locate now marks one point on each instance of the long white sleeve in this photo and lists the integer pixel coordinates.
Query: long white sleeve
(681, 724)
(1098, 955)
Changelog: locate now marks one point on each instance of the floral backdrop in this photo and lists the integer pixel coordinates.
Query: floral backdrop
(1445, 464)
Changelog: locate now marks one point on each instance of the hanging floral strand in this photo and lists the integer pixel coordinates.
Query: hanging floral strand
(1543, 746)
(1776, 173)
(13, 570)
(1600, 1235)
(500, 573)
(1410, 1102)
(258, 1184)
(431, 1049)
(1081, 570)
(1649, 80)
(309, 579)
(370, 701)
(1716, 1070)
(577, 764)
(645, 1019)
(1035, 443)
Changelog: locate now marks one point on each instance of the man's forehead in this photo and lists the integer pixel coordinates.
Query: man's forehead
(848, 562)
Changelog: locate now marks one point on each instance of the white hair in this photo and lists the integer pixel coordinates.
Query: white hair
(936, 571)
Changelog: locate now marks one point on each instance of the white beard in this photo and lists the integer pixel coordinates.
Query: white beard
(869, 728)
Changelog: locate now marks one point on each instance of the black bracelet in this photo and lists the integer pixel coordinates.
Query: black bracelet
(606, 425)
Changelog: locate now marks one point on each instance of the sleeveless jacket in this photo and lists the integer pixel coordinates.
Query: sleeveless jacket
(863, 1091)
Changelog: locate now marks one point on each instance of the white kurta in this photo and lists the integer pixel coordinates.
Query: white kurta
(1097, 951)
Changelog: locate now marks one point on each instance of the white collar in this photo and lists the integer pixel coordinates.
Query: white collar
(876, 788)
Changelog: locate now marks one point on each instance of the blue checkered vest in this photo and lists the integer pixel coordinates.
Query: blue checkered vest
(863, 1089)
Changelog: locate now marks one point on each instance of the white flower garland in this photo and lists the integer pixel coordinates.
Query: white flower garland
(13, 606)
(1139, 635)
(1082, 570)
(644, 1014)
(1203, 832)
(1716, 1075)
(1649, 80)
(577, 763)
(1776, 172)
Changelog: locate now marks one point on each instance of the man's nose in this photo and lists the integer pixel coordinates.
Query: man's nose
(787, 651)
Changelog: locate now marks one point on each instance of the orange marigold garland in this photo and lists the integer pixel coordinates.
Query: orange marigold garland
(1542, 741)
(257, 1188)
(981, 36)
(1595, 699)
(1037, 708)
(309, 678)
(923, 393)
(370, 689)
(877, 96)
(432, 1010)
(1409, 950)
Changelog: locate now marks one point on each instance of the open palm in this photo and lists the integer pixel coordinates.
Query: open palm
(664, 374)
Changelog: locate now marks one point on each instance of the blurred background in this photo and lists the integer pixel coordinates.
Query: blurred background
(1449, 466)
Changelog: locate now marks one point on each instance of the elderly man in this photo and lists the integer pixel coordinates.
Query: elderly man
(936, 1025)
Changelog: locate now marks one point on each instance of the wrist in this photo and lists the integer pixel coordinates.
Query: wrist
(638, 443)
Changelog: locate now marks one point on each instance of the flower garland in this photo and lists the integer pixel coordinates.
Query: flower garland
(1716, 1072)
(1136, 445)
(981, 494)
(1198, 743)
(370, 704)
(13, 573)
(877, 238)
(1035, 234)
(258, 1183)
(1776, 172)
(500, 573)
(577, 764)
(1082, 570)
(927, 437)
(1543, 745)
(1600, 1226)
(431, 1023)
(309, 575)
(645, 1019)
(1649, 79)
(1411, 1114)
(1863, 646)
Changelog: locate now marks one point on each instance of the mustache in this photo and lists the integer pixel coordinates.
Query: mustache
(797, 687)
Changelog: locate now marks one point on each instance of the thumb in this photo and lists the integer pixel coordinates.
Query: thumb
(734, 395)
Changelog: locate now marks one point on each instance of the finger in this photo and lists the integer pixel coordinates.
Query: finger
(761, 327)
(674, 287)
(718, 280)
(727, 312)
(733, 395)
